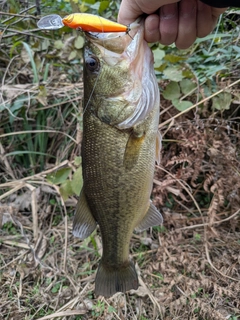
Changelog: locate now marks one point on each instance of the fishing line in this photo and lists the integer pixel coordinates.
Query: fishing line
(91, 94)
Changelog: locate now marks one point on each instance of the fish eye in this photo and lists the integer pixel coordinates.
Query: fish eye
(92, 63)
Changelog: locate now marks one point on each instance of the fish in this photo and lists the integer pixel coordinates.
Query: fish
(120, 145)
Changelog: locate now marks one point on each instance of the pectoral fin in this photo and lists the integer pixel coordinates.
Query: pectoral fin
(152, 218)
(132, 149)
(83, 223)
(158, 147)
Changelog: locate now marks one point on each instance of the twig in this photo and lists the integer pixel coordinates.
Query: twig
(116, 315)
(19, 186)
(186, 189)
(152, 298)
(26, 33)
(207, 224)
(209, 259)
(73, 302)
(13, 15)
(22, 11)
(66, 240)
(63, 314)
(4, 159)
(14, 244)
(14, 260)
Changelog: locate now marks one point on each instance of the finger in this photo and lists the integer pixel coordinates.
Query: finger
(130, 10)
(152, 33)
(204, 20)
(168, 25)
(187, 23)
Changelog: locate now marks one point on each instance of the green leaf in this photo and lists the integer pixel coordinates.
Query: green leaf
(13, 47)
(161, 67)
(173, 73)
(79, 42)
(181, 105)
(72, 55)
(77, 181)
(222, 101)
(173, 58)
(58, 44)
(172, 91)
(66, 190)
(82, 7)
(158, 57)
(214, 36)
(59, 176)
(187, 74)
(56, 288)
(103, 6)
(42, 95)
(20, 153)
(187, 86)
(34, 68)
(77, 161)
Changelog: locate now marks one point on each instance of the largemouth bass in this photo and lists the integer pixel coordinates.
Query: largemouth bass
(119, 148)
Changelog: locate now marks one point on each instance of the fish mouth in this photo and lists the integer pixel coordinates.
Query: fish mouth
(131, 51)
(117, 42)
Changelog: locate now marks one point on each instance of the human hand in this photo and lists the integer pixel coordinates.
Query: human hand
(170, 21)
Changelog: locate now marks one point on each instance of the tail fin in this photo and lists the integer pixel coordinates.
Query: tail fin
(109, 280)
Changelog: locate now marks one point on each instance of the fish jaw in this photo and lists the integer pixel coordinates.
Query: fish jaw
(137, 94)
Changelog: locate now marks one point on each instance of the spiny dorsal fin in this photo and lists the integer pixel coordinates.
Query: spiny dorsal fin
(118, 279)
(152, 218)
(83, 222)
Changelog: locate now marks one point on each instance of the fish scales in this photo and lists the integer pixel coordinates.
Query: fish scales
(113, 187)
(120, 142)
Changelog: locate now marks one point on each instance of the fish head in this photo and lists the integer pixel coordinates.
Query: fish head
(120, 87)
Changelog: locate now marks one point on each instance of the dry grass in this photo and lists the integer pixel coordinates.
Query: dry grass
(189, 269)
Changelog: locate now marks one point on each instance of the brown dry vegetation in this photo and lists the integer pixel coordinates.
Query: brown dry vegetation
(189, 268)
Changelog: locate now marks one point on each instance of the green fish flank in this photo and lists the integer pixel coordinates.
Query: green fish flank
(120, 146)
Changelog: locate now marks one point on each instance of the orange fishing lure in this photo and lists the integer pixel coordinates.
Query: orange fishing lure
(92, 23)
(84, 21)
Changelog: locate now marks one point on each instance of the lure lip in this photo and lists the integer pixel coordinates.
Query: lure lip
(50, 22)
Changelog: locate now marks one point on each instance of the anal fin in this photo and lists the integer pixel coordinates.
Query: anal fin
(152, 218)
(83, 222)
